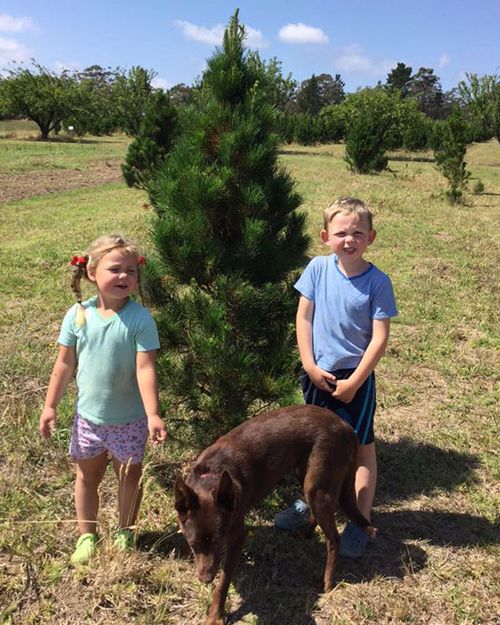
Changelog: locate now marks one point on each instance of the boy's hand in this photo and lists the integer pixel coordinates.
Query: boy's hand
(322, 379)
(157, 430)
(344, 391)
(48, 420)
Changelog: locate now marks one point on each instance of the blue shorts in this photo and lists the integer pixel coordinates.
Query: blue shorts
(359, 413)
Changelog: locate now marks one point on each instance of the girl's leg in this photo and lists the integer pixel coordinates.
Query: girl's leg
(366, 478)
(129, 492)
(89, 474)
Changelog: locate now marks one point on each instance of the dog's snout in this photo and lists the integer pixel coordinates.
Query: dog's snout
(206, 576)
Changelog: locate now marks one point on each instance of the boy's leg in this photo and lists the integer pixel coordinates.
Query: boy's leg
(129, 491)
(89, 474)
(366, 478)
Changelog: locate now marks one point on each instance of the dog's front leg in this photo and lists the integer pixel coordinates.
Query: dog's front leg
(233, 551)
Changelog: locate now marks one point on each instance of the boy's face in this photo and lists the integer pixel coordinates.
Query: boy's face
(348, 236)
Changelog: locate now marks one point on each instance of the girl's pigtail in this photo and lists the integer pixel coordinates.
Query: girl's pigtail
(80, 269)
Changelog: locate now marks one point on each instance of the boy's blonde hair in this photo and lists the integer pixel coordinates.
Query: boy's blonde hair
(89, 261)
(347, 206)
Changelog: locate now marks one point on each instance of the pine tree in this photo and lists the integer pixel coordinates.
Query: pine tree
(156, 134)
(450, 146)
(229, 236)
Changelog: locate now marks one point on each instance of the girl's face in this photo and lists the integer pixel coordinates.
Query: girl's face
(116, 275)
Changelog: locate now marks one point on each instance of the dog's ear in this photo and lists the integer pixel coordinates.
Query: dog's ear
(225, 495)
(185, 497)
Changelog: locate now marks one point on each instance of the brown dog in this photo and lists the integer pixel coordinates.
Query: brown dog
(244, 465)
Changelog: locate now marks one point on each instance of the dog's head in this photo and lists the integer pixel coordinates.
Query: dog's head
(204, 517)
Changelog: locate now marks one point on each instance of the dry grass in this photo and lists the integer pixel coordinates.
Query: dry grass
(436, 560)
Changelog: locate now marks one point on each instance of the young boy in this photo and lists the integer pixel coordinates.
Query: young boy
(343, 322)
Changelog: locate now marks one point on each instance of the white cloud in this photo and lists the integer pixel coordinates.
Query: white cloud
(254, 38)
(211, 36)
(11, 50)
(353, 60)
(301, 33)
(161, 83)
(214, 36)
(444, 60)
(11, 24)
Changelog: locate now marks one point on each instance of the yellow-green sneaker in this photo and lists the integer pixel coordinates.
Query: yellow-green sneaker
(86, 547)
(124, 540)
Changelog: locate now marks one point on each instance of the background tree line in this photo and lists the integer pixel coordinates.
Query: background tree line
(101, 100)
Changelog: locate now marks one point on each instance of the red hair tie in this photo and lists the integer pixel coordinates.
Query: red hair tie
(79, 261)
(141, 260)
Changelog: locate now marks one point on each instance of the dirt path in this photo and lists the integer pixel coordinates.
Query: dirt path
(17, 186)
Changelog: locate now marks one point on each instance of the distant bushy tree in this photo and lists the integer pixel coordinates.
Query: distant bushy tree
(181, 95)
(333, 122)
(131, 92)
(373, 128)
(399, 79)
(309, 97)
(417, 132)
(156, 134)
(228, 236)
(450, 146)
(306, 131)
(96, 112)
(319, 91)
(481, 95)
(425, 88)
(43, 96)
(415, 126)
(279, 90)
(366, 144)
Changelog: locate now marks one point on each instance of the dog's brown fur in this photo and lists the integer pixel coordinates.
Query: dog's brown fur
(244, 465)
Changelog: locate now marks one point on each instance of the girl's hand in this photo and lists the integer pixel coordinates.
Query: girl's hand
(157, 430)
(345, 391)
(48, 420)
(324, 380)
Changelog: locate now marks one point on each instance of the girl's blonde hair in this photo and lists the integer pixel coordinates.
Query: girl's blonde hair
(347, 206)
(89, 261)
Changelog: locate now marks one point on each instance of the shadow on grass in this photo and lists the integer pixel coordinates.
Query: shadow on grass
(408, 468)
(411, 159)
(304, 152)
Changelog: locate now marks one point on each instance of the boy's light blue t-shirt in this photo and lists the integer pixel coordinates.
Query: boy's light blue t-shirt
(344, 309)
(106, 349)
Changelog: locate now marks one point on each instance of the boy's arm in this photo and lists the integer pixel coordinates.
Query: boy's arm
(62, 373)
(346, 389)
(148, 387)
(304, 320)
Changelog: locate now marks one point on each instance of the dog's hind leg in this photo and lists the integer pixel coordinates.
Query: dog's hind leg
(324, 504)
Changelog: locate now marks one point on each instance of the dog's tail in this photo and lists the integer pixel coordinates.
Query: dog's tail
(348, 501)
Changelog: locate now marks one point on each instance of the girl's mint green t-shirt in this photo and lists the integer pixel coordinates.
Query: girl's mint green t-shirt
(106, 349)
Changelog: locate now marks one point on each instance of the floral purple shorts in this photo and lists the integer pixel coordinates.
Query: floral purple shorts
(126, 443)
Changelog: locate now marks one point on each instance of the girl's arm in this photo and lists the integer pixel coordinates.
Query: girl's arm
(148, 388)
(304, 319)
(346, 389)
(62, 373)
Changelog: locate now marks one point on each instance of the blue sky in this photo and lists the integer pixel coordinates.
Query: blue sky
(359, 39)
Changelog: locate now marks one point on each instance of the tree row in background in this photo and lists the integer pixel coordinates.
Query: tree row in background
(94, 101)
(103, 100)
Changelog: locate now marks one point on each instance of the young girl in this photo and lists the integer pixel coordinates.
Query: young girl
(111, 342)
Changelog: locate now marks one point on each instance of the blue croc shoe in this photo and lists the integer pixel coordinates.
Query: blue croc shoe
(293, 518)
(353, 541)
